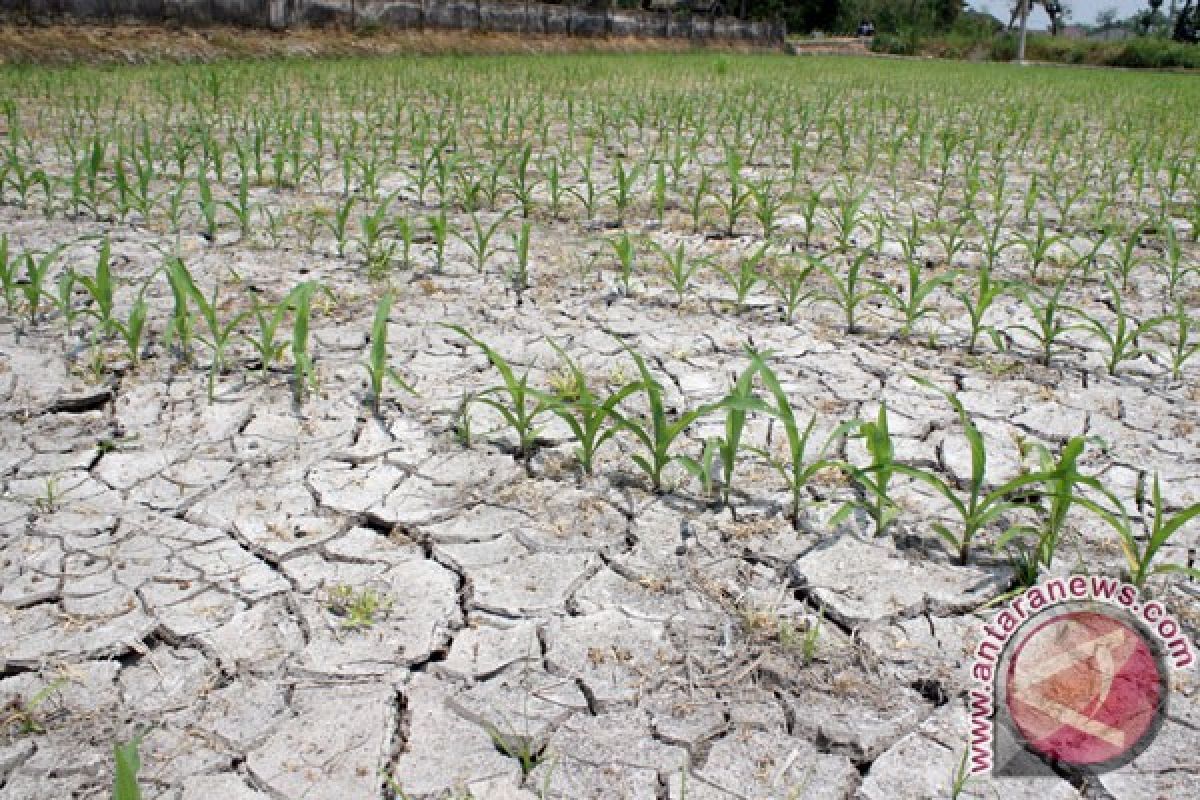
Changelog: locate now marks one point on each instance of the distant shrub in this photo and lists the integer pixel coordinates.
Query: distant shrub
(1143, 52)
(907, 43)
(1157, 54)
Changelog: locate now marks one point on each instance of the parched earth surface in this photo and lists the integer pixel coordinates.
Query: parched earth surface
(307, 599)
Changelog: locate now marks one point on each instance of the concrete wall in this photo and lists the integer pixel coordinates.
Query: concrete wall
(514, 16)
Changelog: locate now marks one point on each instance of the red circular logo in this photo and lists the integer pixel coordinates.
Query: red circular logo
(1085, 688)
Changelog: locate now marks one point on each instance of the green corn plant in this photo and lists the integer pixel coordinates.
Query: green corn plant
(789, 283)
(740, 400)
(220, 333)
(241, 207)
(266, 343)
(479, 242)
(587, 192)
(64, 300)
(515, 401)
(439, 229)
(555, 189)
(404, 228)
(373, 226)
(1125, 261)
(767, 206)
(1175, 266)
(875, 479)
(914, 300)
(518, 276)
(659, 433)
(1122, 334)
(812, 203)
(992, 245)
(625, 183)
(592, 420)
(847, 216)
(1058, 491)
(625, 249)
(1184, 342)
(128, 763)
(208, 205)
(795, 468)
(522, 184)
(660, 193)
(697, 205)
(849, 290)
(1160, 528)
(1037, 247)
(748, 274)
(378, 370)
(703, 469)
(100, 288)
(980, 507)
(180, 327)
(37, 269)
(133, 327)
(8, 273)
(736, 201)
(1049, 314)
(304, 371)
(983, 294)
(679, 270)
(338, 224)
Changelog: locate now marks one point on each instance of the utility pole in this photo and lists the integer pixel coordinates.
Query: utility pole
(1024, 25)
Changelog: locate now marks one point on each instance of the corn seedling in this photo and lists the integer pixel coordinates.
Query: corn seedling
(515, 401)
(132, 328)
(748, 274)
(625, 249)
(1161, 527)
(1183, 343)
(518, 274)
(795, 469)
(8, 273)
(1122, 334)
(679, 270)
(592, 421)
(984, 292)
(304, 372)
(1037, 247)
(220, 333)
(180, 327)
(479, 242)
(378, 370)
(874, 480)
(100, 288)
(1057, 493)
(980, 507)
(1049, 316)
(658, 433)
(128, 763)
(789, 282)
(914, 300)
(37, 269)
(848, 290)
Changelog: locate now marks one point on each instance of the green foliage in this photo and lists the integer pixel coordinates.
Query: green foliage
(128, 763)
(378, 369)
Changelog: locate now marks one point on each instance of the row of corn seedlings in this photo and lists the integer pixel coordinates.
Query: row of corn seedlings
(1039, 499)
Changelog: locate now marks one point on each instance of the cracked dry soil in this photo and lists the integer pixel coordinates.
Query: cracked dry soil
(171, 564)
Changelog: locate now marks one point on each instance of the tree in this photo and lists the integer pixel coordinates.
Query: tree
(1107, 18)
(1056, 10)
(1187, 24)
